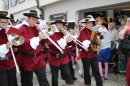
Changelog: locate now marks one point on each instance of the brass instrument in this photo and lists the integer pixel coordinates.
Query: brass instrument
(75, 33)
(18, 41)
(48, 31)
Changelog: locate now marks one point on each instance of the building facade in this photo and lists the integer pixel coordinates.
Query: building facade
(18, 7)
(77, 9)
(66, 9)
(1, 5)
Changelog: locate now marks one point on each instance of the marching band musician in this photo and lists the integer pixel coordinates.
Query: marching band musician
(7, 66)
(15, 49)
(71, 52)
(14, 23)
(30, 58)
(88, 56)
(105, 50)
(58, 60)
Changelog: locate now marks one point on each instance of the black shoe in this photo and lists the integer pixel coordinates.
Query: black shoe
(105, 79)
(63, 78)
(82, 76)
(74, 78)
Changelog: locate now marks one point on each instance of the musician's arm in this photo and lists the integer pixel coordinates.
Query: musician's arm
(29, 43)
(3, 50)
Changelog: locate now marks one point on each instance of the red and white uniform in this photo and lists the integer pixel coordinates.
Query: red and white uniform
(85, 36)
(5, 64)
(31, 45)
(52, 59)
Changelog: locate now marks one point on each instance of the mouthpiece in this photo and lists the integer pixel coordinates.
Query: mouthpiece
(60, 29)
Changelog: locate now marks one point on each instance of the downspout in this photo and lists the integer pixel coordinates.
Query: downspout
(42, 11)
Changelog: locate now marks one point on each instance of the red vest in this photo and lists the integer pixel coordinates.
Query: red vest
(30, 63)
(52, 59)
(85, 35)
(5, 64)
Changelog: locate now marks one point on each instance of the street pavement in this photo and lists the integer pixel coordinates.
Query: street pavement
(113, 79)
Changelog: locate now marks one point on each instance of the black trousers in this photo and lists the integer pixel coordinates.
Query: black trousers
(93, 62)
(27, 76)
(65, 71)
(72, 72)
(7, 77)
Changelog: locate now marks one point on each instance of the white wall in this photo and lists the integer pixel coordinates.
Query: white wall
(1, 5)
(23, 7)
(46, 2)
(72, 6)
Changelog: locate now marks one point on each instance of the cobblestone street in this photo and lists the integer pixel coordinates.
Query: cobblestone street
(114, 80)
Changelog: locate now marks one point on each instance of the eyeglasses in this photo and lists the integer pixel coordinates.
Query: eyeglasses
(3, 22)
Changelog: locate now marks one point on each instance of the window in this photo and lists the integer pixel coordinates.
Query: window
(6, 4)
(13, 2)
(58, 16)
(95, 13)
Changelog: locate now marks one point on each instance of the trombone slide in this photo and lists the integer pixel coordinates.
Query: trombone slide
(17, 68)
(52, 41)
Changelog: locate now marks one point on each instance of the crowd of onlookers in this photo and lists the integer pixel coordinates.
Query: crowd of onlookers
(118, 59)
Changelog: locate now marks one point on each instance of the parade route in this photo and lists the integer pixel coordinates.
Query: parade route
(114, 80)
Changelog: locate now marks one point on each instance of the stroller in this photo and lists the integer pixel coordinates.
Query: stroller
(114, 58)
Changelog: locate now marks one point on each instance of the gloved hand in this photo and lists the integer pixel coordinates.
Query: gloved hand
(101, 37)
(93, 42)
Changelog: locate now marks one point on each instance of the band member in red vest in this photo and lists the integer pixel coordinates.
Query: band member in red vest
(59, 60)
(15, 49)
(88, 56)
(31, 58)
(7, 66)
(71, 52)
(14, 23)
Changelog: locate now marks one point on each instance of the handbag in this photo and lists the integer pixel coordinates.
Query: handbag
(126, 43)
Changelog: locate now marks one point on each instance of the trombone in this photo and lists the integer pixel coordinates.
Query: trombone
(48, 31)
(74, 33)
(17, 41)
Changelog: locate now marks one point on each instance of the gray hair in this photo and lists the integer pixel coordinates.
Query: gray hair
(113, 24)
(128, 20)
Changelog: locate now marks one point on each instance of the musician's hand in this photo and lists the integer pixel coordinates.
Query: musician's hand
(64, 31)
(38, 27)
(15, 49)
(68, 38)
(8, 45)
(41, 36)
(101, 37)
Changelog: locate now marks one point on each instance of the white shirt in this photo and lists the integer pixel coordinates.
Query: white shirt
(113, 34)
